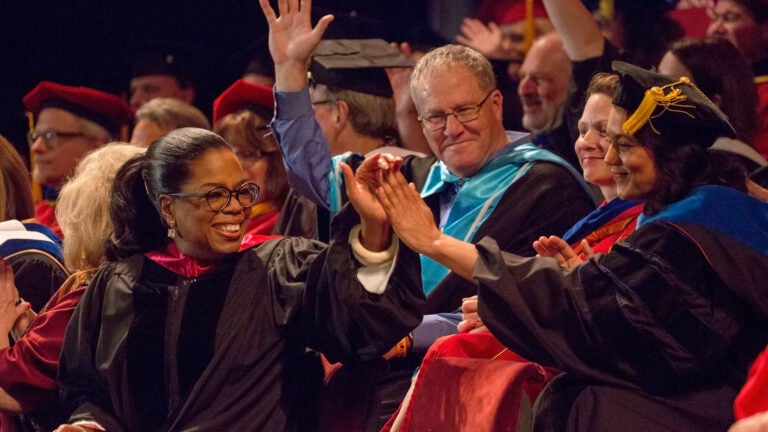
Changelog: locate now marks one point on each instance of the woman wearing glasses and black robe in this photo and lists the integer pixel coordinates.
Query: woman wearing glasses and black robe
(657, 334)
(194, 327)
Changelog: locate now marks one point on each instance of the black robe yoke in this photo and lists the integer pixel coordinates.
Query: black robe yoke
(655, 335)
(281, 296)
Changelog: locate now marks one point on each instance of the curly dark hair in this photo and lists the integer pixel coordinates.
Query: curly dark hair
(684, 162)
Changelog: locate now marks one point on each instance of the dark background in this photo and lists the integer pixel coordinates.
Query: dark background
(92, 42)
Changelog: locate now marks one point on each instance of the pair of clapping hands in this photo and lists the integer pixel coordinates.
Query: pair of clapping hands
(379, 191)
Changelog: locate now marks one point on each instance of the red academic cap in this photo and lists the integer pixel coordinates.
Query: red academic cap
(241, 95)
(508, 11)
(105, 109)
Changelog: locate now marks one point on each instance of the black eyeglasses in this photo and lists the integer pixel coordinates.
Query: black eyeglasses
(51, 137)
(463, 114)
(219, 197)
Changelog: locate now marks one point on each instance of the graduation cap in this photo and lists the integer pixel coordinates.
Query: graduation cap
(356, 64)
(667, 106)
(163, 62)
(105, 109)
(242, 95)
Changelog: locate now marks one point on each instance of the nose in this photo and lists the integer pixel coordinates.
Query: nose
(38, 146)
(716, 27)
(591, 138)
(611, 156)
(526, 86)
(136, 100)
(452, 126)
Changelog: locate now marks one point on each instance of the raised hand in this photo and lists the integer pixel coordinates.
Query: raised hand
(292, 40)
(487, 39)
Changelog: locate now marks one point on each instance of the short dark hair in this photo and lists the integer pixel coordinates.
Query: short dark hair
(682, 164)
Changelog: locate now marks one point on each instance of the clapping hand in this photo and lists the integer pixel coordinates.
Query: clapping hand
(557, 248)
(361, 188)
(407, 212)
(11, 305)
(470, 319)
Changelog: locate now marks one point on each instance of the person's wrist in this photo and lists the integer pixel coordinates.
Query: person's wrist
(290, 76)
(366, 256)
(375, 236)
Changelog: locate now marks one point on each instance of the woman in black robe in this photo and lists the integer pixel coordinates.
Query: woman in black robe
(193, 326)
(658, 333)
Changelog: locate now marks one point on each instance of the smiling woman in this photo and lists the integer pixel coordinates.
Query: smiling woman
(658, 332)
(196, 325)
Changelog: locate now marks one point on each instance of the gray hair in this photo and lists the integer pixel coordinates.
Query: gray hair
(445, 57)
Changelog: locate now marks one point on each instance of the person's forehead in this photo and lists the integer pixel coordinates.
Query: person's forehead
(447, 83)
(158, 80)
(722, 6)
(52, 117)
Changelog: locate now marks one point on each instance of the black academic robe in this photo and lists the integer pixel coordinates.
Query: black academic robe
(148, 349)
(655, 335)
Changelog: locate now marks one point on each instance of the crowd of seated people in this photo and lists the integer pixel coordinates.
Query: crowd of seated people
(363, 243)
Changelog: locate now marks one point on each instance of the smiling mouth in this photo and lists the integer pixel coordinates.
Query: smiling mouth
(229, 229)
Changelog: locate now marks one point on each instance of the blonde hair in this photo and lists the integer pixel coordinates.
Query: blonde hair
(15, 190)
(172, 113)
(82, 209)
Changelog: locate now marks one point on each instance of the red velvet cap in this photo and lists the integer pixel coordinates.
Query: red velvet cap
(241, 95)
(508, 11)
(105, 109)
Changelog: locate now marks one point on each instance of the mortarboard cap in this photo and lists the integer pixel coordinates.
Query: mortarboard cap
(105, 109)
(508, 11)
(242, 95)
(163, 62)
(667, 106)
(356, 64)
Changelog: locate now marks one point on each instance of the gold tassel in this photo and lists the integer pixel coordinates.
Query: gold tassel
(606, 10)
(655, 97)
(37, 190)
(529, 34)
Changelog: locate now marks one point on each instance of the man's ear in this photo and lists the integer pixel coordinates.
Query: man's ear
(342, 113)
